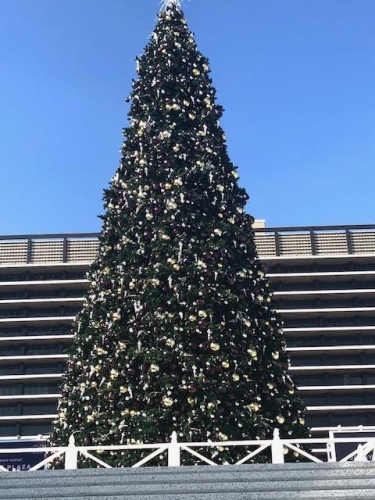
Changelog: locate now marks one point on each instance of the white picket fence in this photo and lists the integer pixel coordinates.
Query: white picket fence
(364, 451)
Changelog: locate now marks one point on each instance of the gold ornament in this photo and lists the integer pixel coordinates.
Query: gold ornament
(223, 437)
(168, 402)
(116, 316)
(215, 346)
(280, 419)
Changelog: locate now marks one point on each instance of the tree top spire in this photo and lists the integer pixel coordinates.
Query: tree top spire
(170, 3)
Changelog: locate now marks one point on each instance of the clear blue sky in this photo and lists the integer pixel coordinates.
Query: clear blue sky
(296, 78)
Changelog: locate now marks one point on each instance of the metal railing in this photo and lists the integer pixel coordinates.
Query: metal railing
(315, 240)
(271, 242)
(48, 248)
(363, 451)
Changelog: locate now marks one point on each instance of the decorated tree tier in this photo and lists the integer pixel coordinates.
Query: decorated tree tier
(178, 331)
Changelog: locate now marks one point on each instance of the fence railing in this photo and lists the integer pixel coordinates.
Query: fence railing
(362, 450)
(315, 240)
(271, 242)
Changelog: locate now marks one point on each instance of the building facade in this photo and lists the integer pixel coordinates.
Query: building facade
(324, 287)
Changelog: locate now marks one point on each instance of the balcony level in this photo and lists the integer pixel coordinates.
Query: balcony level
(324, 282)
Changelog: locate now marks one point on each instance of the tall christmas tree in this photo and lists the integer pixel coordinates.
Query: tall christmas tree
(178, 331)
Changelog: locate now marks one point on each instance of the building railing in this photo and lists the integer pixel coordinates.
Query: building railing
(315, 240)
(271, 242)
(363, 450)
(48, 248)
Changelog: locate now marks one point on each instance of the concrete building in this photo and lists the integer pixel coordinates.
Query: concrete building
(324, 287)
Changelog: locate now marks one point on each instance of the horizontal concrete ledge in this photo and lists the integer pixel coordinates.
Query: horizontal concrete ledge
(340, 388)
(314, 258)
(346, 408)
(42, 265)
(326, 310)
(329, 329)
(36, 376)
(342, 428)
(36, 418)
(184, 476)
(331, 292)
(41, 301)
(311, 495)
(45, 283)
(330, 349)
(347, 467)
(37, 339)
(38, 319)
(344, 489)
(331, 368)
(320, 274)
(188, 487)
(28, 397)
(35, 357)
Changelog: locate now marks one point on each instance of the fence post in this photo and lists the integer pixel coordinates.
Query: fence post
(331, 448)
(174, 452)
(277, 448)
(71, 455)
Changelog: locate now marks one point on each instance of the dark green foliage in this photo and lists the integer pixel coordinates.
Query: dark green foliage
(178, 330)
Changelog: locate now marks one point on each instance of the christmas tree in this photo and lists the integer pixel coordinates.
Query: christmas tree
(177, 331)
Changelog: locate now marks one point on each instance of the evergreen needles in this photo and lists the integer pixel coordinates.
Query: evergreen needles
(178, 331)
